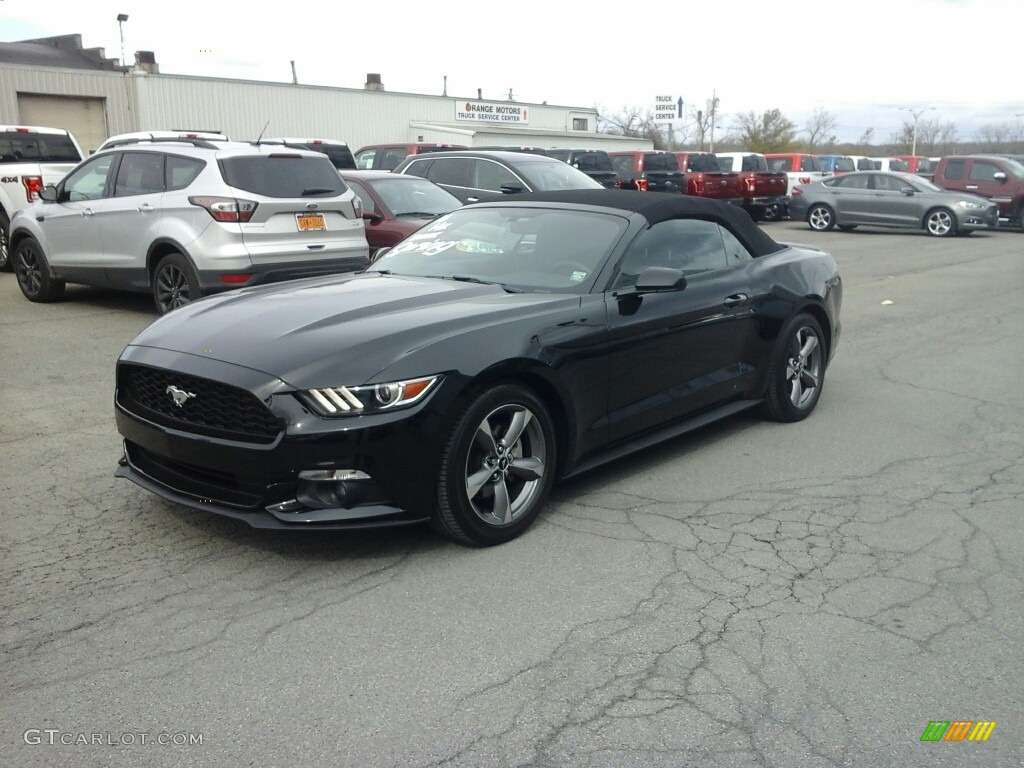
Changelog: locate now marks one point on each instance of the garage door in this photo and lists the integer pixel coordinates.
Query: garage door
(84, 117)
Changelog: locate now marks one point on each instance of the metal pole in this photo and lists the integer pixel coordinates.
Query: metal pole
(295, 77)
(714, 104)
(120, 25)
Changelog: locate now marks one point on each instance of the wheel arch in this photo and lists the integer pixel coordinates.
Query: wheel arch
(161, 247)
(818, 313)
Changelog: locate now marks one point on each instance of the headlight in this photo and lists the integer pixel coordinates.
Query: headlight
(371, 398)
(970, 204)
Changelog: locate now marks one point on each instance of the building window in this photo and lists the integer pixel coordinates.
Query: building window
(579, 124)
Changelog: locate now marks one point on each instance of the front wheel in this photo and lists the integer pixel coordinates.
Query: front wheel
(33, 271)
(797, 370)
(821, 218)
(497, 467)
(940, 223)
(174, 283)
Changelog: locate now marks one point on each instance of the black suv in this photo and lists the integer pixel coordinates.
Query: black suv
(594, 162)
(474, 175)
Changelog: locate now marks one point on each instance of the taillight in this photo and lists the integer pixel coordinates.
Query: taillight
(641, 185)
(33, 186)
(235, 279)
(751, 183)
(228, 209)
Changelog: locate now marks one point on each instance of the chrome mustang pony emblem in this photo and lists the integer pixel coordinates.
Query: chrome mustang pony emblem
(179, 396)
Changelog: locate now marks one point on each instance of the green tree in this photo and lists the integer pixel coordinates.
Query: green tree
(770, 131)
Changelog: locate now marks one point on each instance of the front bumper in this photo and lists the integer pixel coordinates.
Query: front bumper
(977, 219)
(257, 481)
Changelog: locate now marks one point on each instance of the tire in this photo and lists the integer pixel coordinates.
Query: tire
(36, 281)
(6, 261)
(797, 374)
(846, 227)
(821, 218)
(771, 213)
(174, 283)
(478, 470)
(940, 222)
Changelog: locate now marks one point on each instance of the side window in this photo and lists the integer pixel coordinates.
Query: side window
(182, 171)
(855, 181)
(364, 160)
(735, 251)
(390, 158)
(623, 164)
(364, 196)
(690, 245)
(954, 170)
(888, 183)
(419, 168)
(451, 170)
(140, 173)
(983, 171)
(491, 176)
(90, 181)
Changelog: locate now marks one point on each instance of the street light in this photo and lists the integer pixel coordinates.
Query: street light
(917, 116)
(121, 19)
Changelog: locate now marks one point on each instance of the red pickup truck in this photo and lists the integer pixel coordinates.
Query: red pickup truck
(705, 177)
(764, 192)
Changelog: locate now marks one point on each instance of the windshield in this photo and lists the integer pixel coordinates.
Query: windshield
(411, 195)
(525, 249)
(754, 163)
(845, 164)
(549, 174)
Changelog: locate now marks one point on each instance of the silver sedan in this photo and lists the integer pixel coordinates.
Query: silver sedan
(881, 199)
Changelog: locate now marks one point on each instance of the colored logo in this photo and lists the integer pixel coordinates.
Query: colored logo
(958, 730)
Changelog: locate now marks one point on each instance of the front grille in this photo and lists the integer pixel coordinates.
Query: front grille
(201, 483)
(207, 407)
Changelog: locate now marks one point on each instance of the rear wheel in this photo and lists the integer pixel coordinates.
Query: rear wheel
(5, 241)
(497, 467)
(771, 213)
(940, 222)
(821, 218)
(797, 370)
(174, 283)
(33, 271)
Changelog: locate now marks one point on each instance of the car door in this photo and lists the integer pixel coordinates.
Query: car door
(890, 206)
(981, 180)
(851, 198)
(452, 173)
(130, 218)
(674, 353)
(71, 226)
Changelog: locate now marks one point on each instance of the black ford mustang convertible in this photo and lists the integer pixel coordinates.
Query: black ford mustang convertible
(503, 346)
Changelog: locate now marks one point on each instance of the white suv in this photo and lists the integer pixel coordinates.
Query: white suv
(30, 158)
(183, 218)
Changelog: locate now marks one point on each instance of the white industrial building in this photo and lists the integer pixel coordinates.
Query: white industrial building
(56, 82)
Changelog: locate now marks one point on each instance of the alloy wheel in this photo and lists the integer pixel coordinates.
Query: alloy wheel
(820, 218)
(30, 271)
(803, 367)
(940, 223)
(172, 289)
(505, 465)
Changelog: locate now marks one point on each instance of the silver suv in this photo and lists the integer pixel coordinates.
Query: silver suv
(183, 218)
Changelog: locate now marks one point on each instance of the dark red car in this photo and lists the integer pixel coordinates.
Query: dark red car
(395, 205)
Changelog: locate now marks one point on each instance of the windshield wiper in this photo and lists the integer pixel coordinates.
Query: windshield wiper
(418, 213)
(316, 191)
(471, 279)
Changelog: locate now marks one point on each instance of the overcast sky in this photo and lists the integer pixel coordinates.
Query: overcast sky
(860, 59)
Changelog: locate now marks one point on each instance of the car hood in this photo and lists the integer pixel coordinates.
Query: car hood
(309, 333)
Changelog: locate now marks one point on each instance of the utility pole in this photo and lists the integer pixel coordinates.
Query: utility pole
(917, 116)
(714, 111)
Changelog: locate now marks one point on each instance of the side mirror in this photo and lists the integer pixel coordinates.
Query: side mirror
(908, 191)
(999, 176)
(660, 280)
(373, 218)
(48, 194)
(511, 189)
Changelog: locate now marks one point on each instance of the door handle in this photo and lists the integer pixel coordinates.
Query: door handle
(472, 199)
(87, 212)
(735, 300)
(972, 186)
(145, 208)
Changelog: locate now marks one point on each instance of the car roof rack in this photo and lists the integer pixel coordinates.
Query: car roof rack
(203, 143)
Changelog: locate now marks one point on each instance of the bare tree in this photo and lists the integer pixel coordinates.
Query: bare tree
(819, 128)
(631, 121)
(770, 131)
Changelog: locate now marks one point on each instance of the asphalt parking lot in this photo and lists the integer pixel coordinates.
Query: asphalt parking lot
(753, 594)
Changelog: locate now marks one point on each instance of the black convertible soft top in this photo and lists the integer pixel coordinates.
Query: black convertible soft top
(660, 206)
